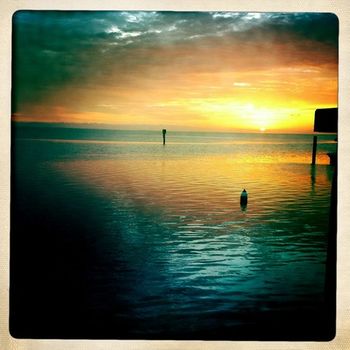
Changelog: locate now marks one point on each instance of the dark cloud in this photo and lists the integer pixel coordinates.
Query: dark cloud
(321, 27)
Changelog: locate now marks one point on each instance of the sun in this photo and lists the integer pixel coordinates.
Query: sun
(262, 129)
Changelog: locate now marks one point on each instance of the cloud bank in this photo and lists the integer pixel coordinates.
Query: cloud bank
(145, 67)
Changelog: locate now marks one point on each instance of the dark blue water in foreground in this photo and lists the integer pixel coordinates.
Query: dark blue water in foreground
(114, 235)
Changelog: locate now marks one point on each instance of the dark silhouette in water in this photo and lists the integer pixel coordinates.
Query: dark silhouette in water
(244, 198)
(326, 121)
(164, 132)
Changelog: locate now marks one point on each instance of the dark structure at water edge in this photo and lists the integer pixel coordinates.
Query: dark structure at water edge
(326, 121)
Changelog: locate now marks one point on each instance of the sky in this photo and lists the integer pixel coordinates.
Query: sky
(209, 71)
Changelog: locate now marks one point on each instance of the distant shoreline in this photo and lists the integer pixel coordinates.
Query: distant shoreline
(144, 128)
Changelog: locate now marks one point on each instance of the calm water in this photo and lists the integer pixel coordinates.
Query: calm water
(162, 248)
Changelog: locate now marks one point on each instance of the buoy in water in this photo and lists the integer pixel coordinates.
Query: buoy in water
(244, 197)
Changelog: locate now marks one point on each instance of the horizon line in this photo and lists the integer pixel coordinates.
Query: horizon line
(146, 127)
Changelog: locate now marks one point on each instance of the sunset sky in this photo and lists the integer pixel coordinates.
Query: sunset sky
(220, 71)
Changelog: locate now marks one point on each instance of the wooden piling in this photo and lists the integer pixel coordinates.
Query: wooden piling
(164, 132)
(314, 148)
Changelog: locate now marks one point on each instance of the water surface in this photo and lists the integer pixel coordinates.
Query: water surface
(149, 241)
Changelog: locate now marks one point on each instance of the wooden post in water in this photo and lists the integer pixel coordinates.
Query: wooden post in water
(164, 132)
(314, 148)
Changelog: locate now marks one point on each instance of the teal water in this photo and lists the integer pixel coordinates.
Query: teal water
(141, 240)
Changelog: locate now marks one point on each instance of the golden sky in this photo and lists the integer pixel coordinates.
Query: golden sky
(222, 71)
